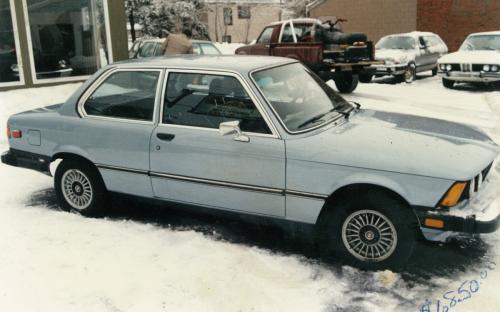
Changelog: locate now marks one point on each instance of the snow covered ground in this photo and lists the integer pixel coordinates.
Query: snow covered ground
(147, 258)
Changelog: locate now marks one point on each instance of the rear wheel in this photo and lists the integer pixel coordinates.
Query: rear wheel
(79, 188)
(448, 83)
(375, 232)
(346, 82)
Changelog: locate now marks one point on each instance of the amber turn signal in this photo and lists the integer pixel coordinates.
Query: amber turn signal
(434, 223)
(453, 195)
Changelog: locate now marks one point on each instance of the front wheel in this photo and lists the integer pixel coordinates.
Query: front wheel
(346, 82)
(410, 74)
(79, 188)
(435, 71)
(377, 232)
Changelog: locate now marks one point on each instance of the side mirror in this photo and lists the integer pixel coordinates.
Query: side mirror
(233, 127)
(423, 47)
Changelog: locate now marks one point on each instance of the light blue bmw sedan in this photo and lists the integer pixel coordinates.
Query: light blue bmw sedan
(262, 136)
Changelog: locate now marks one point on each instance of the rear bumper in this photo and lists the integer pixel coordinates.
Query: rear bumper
(26, 160)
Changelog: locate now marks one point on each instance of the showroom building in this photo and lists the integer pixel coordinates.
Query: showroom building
(45, 42)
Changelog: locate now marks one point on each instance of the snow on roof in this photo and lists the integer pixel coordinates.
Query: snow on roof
(496, 32)
(297, 20)
(244, 1)
(412, 34)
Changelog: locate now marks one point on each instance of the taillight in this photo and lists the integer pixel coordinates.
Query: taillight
(16, 134)
(8, 132)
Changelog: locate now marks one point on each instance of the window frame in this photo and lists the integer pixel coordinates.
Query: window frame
(262, 33)
(99, 81)
(20, 66)
(242, 8)
(274, 132)
(230, 16)
(31, 56)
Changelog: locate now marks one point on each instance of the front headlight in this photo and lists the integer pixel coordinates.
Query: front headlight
(448, 67)
(494, 68)
(442, 67)
(486, 67)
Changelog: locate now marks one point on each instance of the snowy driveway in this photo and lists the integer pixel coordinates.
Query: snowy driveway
(144, 258)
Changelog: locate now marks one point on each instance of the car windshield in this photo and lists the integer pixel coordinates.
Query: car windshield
(481, 42)
(300, 98)
(396, 42)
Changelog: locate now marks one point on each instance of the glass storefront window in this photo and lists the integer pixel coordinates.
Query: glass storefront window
(8, 45)
(67, 37)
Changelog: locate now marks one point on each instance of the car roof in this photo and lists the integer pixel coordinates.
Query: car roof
(160, 40)
(236, 63)
(297, 20)
(413, 34)
(496, 32)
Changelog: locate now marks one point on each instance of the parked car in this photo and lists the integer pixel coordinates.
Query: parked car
(152, 47)
(407, 54)
(322, 46)
(477, 60)
(262, 136)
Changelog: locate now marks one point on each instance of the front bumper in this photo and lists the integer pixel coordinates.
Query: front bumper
(18, 158)
(480, 214)
(471, 76)
(393, 69)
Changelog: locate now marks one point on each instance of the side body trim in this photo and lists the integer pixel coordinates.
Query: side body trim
(248, 187)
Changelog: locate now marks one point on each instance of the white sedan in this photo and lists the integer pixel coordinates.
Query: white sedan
(477, 60)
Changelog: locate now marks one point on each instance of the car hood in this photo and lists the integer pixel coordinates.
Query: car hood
(392, 54)
(400, 143)
(472, 57)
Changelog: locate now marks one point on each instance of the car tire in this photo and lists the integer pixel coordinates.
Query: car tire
(382, 224)
(448, 84)
(410, 73)
(346, 82)
(365, 78)
(80, 188)
(435, 71)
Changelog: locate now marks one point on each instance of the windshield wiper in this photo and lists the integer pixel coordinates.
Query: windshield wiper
(315, 118)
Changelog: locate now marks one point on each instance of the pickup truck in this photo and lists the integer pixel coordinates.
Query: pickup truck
(323, 47)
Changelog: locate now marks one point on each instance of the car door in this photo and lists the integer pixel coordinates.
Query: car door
(192, 162)
(263, 44)
(116, 125)
(425, 56)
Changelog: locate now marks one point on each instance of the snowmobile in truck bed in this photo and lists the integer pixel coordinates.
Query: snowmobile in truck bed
(321, 46)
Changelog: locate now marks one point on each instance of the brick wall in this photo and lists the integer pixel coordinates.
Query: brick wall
(376, 18)
(453, 20)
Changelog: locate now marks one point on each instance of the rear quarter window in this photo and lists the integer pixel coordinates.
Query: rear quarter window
(125, 95)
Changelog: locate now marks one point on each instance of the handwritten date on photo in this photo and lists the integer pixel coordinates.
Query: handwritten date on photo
(456, 296)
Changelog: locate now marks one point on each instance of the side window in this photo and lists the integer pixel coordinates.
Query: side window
(265, 36)
(125, 94)
(134, 49)
(147, 49)
(196, 49)
(304, 32)
(202, 100)
(209, 49)
(287, 35)
(157, 49)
